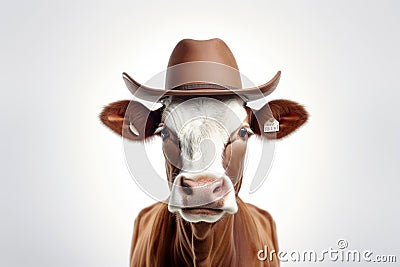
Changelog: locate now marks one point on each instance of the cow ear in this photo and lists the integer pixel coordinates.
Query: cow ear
(131, 119)
(290, 116)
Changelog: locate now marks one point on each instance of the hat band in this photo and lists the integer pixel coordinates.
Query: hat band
(200, 73)
(194, 86)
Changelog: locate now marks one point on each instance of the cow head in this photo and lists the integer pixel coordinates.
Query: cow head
(204, 144)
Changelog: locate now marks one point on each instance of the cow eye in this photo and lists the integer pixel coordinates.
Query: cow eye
(243, 132)
(164, 133)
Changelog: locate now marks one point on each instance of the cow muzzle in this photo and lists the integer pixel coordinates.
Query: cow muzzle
(202, 197)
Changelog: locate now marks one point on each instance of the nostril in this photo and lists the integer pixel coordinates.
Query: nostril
(186, 188)
(217, 189)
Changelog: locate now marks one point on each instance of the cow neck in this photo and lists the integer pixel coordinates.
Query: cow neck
(204, 243)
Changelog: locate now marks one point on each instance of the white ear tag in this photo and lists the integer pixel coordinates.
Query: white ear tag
(271, 126)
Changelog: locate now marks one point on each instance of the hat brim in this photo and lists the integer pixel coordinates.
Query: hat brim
(155, 94)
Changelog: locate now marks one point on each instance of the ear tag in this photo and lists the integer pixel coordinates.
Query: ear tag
(271, 126)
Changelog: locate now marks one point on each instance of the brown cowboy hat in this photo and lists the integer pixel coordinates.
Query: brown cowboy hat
(198, 68)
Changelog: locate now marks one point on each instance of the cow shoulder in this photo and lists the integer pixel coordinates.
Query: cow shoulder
(262, 217)
(147, 214)
(265, 225)
(147, 231)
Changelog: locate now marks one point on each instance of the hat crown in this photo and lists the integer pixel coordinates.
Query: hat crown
(212, 50)
(195, 63)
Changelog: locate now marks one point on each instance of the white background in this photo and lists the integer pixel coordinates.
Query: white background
(66, 196)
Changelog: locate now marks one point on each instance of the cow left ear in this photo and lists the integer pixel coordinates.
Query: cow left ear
(290, 116)
(131, 119)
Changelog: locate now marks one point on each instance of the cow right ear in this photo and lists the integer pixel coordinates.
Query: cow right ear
(131, 119)
(278, 119)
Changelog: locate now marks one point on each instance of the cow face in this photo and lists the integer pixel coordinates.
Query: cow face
(204, 144)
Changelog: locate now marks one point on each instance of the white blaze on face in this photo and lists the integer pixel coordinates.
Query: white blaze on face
(203, 126)
(202, 140)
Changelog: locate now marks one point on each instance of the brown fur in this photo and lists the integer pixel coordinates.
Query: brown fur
(161, 238)
(290, 115)
(117, 108)
(144, 120)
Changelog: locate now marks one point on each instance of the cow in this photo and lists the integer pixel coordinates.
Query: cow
(204, 134)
